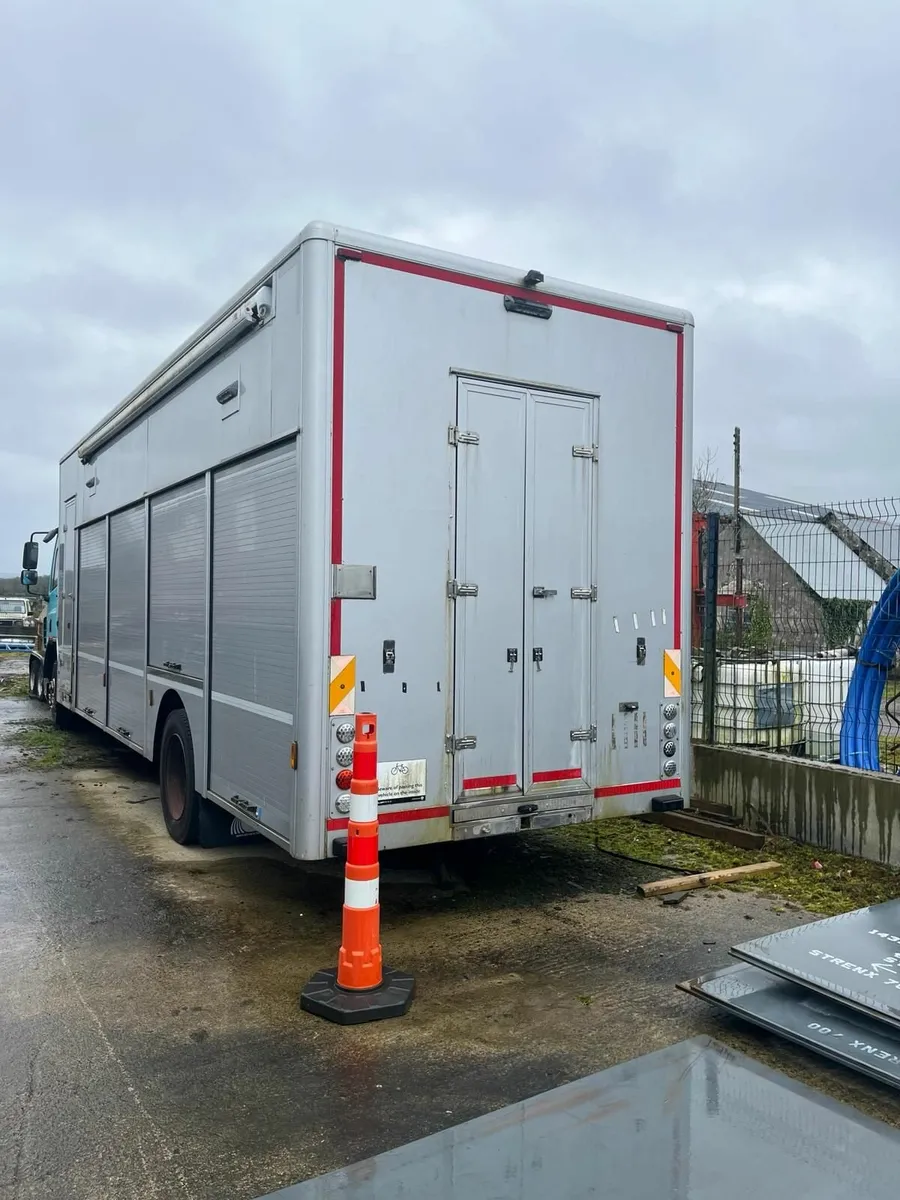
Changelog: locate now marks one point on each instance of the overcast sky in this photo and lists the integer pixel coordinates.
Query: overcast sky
(739, 159)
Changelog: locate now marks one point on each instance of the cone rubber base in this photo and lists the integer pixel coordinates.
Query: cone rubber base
(322, 997)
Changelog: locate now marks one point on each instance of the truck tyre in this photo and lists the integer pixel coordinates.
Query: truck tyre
(34, 679)
(180, 802)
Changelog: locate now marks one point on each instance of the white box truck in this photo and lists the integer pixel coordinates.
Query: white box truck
(389, 479)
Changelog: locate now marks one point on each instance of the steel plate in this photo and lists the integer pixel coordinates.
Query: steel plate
(855, 958)
(812, 1020)
(694, 1122)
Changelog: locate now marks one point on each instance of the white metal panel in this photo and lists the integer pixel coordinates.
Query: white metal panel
(325, 231)
(254, 635)
(397, 400)
(127, 624)
(91, 620)
(178, 580)
(313, 390)
(186, 433)
(558, 627)
(490, 526)
(119, 472)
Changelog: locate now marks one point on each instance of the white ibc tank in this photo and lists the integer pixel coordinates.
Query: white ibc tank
(758, 704)
(826, 679)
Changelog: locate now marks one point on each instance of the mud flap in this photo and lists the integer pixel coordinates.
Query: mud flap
(220, 828)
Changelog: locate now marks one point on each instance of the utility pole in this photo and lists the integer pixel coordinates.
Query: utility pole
(738, 542)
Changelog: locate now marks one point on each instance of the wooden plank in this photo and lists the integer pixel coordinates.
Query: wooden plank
(685, 883)
(685, 822)
(709, 808)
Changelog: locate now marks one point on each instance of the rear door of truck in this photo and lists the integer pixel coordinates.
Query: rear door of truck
(524, 591)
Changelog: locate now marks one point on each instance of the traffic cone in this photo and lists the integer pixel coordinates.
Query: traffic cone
(360, 988)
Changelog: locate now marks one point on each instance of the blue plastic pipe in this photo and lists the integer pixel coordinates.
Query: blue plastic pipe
(862, 709)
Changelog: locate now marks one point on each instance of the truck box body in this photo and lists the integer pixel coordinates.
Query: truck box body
(391, 480)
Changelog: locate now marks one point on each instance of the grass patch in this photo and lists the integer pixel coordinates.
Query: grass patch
(843, 883)
(44, 746)
(13, 687)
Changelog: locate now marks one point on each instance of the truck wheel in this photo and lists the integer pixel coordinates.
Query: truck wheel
(180, 802)
(34, 679)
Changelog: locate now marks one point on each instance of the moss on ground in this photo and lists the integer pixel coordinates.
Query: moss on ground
(12, 686)
(840, 884)
(44, 747)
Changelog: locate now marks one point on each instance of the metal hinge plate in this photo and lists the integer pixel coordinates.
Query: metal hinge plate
(350, 581)
(452, 744)
(455, 590)
(588, 593)
(461, 437)
(586, 452)
(583, 735)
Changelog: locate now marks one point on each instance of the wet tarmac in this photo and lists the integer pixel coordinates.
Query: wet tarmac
(151, 1044)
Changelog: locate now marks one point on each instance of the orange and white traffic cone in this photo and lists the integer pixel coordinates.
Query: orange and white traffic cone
(361, 988)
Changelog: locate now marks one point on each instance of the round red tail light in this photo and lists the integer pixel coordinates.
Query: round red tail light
(343, 779)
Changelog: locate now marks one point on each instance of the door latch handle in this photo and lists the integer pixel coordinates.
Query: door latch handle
(388, 656)
(583, 735)
(537, 655)
(512, 657)
(542, 593)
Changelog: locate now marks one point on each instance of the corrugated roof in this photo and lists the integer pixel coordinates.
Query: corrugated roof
(818, 556)
(795, 531)
(721, 498)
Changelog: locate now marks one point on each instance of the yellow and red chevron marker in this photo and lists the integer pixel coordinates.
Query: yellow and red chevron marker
(672, 673)
(342, 685)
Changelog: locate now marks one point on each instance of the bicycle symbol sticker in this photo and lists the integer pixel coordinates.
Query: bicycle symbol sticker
(401, 782)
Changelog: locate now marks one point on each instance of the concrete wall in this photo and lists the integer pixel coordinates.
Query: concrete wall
(834, 807)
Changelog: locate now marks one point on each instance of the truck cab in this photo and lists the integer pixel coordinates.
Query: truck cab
(42, 663)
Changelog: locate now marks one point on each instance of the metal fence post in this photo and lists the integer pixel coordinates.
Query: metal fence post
(710, 613)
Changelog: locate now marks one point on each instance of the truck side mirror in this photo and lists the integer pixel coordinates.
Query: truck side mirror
(28, 578)
(30, 556)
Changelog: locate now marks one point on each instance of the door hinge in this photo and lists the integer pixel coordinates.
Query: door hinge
(452, 744)
(461, 437)
(583, 735)
(586, 452)
(455, 589)
(588, 593)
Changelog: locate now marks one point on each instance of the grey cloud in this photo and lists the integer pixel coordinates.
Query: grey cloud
(154, 156)
(813, 410)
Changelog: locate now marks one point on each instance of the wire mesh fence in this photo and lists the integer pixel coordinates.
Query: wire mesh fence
(795, 591)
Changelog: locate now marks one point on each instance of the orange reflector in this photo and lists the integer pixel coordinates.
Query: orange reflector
(343, 779)
(293, 756)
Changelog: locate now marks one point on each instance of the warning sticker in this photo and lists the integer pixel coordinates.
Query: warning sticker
(672, 673)
(400, 782)
(342, 687)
